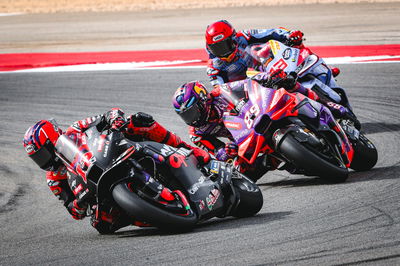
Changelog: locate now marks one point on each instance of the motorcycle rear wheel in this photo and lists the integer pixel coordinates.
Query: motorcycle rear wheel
(308, 160)
(144, 211)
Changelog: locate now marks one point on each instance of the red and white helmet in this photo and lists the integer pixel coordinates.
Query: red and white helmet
(39, 142)
(220, 39)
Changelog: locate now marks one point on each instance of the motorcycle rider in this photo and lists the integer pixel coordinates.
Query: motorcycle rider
(229, 61)
(203, 112)
(40, 139)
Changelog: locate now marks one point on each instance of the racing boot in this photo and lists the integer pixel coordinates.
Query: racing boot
(116, 220)
(335, 71)
(104, 223)
(261, 166)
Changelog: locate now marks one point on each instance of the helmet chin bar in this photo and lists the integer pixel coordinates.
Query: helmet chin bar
(230, 57)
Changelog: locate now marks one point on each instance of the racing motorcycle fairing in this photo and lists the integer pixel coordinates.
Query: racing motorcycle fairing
(307, 63)
(311, 70)
(259, 114)
(251, 147)
(109, 158)
(205, 194)
(274, 55)
(254, 115)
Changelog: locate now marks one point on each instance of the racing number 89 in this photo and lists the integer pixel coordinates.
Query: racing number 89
(251, 115)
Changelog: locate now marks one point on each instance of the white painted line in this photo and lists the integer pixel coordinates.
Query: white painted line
(10, 14)
(157, 65)
(360, 59)
(109, 66)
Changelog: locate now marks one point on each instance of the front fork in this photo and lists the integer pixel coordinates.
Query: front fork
(346, 150)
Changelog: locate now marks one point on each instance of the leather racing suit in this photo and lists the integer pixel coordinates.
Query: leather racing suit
(221, 71)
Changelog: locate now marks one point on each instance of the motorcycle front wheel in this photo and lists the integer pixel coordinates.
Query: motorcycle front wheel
(250, 198)
(365, 154)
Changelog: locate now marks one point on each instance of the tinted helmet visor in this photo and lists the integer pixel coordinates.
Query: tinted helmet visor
(223, 48)
(44, 157)
(193, 115)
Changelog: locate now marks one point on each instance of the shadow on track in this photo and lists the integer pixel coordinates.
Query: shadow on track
(296, 182)
(211, 225)
(378, 173)
(379, 127)
(232, 222)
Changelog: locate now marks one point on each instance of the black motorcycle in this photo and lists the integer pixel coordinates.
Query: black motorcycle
(154, 183)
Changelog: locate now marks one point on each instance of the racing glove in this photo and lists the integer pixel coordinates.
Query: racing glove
(78, 211)
(201, 155)
(115, 118)
(216, 92)
(141, 120)
(144, 125)
(229, 151)
(295, 38)
(276, 79)
(268, 79)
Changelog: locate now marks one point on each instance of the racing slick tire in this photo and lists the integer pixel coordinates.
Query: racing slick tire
(365, 154)
(250, 198)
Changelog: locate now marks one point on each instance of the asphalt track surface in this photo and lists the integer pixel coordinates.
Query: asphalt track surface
(303, 221)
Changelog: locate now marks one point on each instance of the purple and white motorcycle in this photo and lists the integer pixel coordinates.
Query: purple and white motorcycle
(300, 133)
(312, 71)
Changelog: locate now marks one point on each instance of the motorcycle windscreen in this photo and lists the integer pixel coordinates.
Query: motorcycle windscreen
(260, 53)
(68, 151)
(234, 94)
